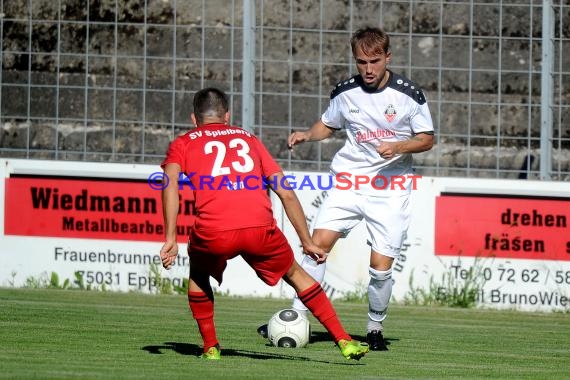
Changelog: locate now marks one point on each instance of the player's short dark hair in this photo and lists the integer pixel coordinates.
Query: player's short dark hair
(210, 103)
(372, 41)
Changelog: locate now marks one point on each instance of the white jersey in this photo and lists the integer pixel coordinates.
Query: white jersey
(395, 112)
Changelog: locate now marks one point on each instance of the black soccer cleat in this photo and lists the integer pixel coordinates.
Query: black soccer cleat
(376, 341)
(262, 330)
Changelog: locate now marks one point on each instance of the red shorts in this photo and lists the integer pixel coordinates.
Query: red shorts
(265, 249)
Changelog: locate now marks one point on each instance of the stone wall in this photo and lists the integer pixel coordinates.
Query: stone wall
(144, 139)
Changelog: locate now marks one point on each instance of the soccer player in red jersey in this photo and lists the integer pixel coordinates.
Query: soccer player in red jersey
(227, 168)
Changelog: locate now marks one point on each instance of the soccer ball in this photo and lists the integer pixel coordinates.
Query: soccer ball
(288, 328)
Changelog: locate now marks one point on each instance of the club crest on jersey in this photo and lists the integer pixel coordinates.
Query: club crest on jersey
(390, 113)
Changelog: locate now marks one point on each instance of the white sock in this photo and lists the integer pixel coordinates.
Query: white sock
(317, 271)
(379, 294)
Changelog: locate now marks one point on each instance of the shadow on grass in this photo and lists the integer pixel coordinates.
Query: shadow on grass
(195, 350)
(323, 336)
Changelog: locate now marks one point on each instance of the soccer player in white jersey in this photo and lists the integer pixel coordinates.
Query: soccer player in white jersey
(386, 119)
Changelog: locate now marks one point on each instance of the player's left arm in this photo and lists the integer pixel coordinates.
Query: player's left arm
(281, 187)
(418, 143)
(170, 201)
(296, 215)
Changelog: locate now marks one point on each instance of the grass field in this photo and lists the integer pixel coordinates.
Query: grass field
(66, 334)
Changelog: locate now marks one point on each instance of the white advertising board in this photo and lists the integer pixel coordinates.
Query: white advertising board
(508, 238)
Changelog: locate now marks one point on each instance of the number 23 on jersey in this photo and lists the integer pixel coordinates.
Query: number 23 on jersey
(239, 146)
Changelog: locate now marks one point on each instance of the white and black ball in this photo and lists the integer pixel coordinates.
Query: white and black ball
(288, 328)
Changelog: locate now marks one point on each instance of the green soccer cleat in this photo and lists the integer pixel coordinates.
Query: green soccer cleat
(213, 353)
(352, 349)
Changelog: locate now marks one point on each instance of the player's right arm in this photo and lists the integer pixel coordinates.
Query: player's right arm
(170, 201)
(319, 131)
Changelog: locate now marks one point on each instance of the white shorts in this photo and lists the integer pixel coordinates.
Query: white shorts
(387, 218)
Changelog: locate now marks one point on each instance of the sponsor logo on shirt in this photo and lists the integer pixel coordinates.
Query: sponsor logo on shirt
(371, 135)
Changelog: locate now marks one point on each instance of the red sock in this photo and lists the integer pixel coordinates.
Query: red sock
(318, 303)
(203, 311)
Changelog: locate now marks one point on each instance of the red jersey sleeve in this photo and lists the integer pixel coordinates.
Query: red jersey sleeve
(175, 153)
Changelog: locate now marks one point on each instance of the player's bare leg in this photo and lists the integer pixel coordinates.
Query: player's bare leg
(312, 295)
(325, 239)
(379, 294)
(201, 302)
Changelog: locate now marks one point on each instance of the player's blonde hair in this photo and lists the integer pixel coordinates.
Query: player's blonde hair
(371, 40)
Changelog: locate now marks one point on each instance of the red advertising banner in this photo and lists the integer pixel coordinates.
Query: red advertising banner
(90, 209)
(505, 227)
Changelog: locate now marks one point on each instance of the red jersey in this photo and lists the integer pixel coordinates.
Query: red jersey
(226, 166)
